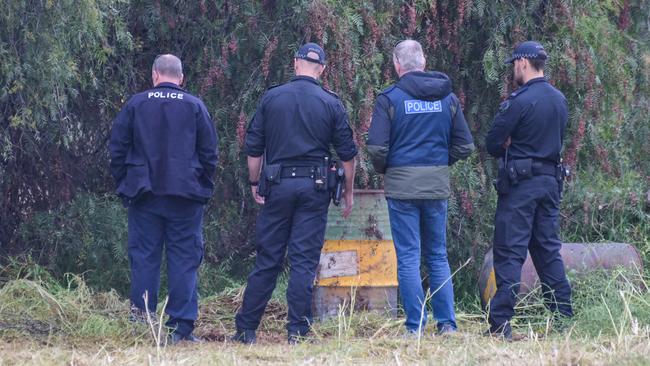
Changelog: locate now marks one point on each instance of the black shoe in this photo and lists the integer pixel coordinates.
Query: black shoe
(446, 330)
(561, 323)
(294, 338)
(192, 339)
(245, 336)
(503, 331)
(175, 338)
(139, 316)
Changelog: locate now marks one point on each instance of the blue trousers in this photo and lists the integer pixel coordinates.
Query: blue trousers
(292, 222)
(527, 219)
(419, 231)
(175, 224)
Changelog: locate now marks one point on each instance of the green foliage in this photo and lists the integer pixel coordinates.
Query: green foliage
(612, 317)
(611, 303)
(598, 209)
(66, 67)
(45, 309)
(87, 237)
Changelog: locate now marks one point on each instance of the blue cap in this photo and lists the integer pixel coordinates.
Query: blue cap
(311, 52)
(528, 49)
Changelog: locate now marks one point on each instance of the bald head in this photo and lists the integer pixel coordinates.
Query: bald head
(168, 65)
(408, 56)
(307, 68)
(167, 68)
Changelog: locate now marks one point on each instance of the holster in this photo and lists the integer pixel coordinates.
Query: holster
(321, 178)
(502, 183)
(336, 182)
(562, 172)
(271, 174)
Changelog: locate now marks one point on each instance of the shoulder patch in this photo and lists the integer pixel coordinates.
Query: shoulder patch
(330, 92)
(388, 90)
(504, 106)
(454, 108)
(517, 92)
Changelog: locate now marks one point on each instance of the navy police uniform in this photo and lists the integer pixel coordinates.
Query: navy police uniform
(294, 126)
(527, 216)
(163, 151)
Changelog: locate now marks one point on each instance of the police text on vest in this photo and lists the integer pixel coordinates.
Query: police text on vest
(422, 106)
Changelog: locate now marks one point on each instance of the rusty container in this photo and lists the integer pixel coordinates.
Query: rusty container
(358, 263)
(578, 258)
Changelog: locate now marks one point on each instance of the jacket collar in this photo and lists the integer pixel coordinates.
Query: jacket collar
(307, 78)
(169, 85)
(535, 80)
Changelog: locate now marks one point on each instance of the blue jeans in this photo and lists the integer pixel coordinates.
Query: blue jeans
(419, 226)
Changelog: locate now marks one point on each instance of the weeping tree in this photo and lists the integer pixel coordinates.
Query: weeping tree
(67, 67)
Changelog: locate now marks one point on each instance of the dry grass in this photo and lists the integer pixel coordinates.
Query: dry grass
(44, 324)
(468, 347)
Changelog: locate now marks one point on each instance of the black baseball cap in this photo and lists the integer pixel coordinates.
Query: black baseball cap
(528, 49)
(311, 52)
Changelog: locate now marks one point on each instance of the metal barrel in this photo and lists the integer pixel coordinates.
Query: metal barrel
(577, 257)
(358, 264)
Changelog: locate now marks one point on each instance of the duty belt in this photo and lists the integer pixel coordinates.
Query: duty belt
(297, 172)
(544, 168)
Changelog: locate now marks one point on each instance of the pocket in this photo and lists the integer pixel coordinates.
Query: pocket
(399, 205)
(197, 176)
(200, 248)
(524, 168)
(197, 168)
(134, 160)
(519, 169)
(272, 173)
(136, 177)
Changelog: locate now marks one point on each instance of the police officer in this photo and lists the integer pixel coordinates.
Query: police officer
(292, 130)
(163, 151)
(526, 136)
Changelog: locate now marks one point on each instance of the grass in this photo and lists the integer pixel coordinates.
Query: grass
(42, 322)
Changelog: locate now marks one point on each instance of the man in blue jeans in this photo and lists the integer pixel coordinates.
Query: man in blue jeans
(418, 130)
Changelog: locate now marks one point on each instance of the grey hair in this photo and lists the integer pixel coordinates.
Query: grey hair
(168, 65)
(409, 55)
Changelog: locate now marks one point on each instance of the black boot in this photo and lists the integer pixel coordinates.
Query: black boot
(245, 336)
(561, 322)
(295, 337)
(175, 338)
(502, 331)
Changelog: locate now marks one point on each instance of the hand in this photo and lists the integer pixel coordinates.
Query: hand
(349, 202)
(507, 143)
(259, 199)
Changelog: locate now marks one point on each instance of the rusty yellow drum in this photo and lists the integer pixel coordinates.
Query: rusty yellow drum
(358, 264)
(578, 258)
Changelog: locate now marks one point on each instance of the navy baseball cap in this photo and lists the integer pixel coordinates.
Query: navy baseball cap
(312, 53)
(528, 49)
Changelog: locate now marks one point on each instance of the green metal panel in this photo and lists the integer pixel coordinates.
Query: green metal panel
(368, 220)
